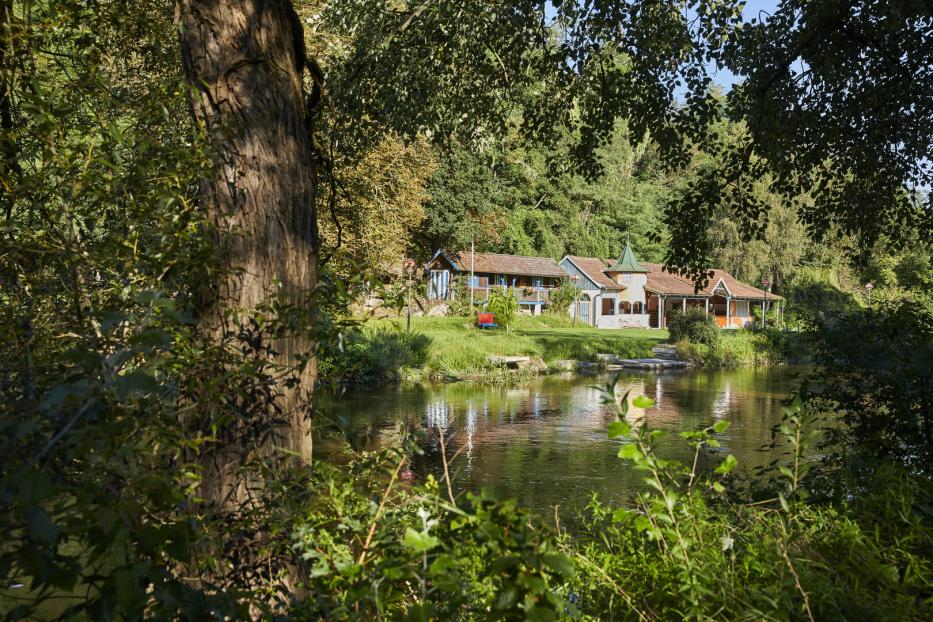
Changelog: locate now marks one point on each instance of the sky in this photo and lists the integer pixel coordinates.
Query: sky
(754, 9)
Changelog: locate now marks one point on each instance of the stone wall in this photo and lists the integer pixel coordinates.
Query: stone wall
(631, 320)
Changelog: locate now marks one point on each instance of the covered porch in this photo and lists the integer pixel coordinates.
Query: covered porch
(729, 312)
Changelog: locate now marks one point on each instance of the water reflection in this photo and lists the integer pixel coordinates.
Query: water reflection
(545, 442)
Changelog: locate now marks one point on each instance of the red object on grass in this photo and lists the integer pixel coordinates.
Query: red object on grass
(485, 320)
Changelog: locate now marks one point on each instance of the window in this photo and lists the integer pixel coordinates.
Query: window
(538, 282)
(626, 278)
(473, 281)
(625, 307)
(609, 306)
(637, 307)
(500, 280)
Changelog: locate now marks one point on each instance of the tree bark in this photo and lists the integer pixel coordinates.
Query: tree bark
(244, 60)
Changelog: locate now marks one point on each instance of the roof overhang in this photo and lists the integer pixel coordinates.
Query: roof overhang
(616, 288)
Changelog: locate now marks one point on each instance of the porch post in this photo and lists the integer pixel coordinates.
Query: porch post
(706, 300)
(660, 311)
(728, 311)
(684, 300)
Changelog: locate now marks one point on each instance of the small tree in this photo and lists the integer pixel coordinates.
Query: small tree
(504, 306)
(561, 297)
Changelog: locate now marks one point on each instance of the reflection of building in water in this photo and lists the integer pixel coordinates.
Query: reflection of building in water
(470, 430)
(664, 412)
(436, 415)
(723, 401)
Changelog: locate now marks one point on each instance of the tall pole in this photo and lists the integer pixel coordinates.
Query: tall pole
(766, 284)
(410, 267)
(472, 275)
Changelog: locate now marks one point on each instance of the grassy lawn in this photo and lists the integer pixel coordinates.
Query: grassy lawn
(456, 346)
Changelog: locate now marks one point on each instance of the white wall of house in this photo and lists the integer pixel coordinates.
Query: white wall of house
(634, 287)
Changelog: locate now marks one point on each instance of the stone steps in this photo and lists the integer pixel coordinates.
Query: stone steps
(665, 351)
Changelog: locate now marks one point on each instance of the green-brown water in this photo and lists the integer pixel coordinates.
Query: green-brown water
(545, 442)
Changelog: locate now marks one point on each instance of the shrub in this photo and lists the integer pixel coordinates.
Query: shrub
(373, 356)
(561, 297)
(459, 303)
(504, 306)
(694, 326)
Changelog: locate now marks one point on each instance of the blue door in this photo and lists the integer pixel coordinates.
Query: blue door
(585, 309)
(440, 285)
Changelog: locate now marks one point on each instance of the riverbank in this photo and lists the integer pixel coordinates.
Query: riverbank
(451, 348)
(745, 348)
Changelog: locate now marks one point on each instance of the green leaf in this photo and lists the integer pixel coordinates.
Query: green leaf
(727, 465)
(642, 402)
(560, 564)
(890, 573)
(507, 598)
(630, 452)
(721, 426)
(41, 527)
(719, 487)
(619, 428)
(419, 540)
(623, 406)
(135, 382)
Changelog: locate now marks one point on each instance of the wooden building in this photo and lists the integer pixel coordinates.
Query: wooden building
(628, 293)
(529, 278)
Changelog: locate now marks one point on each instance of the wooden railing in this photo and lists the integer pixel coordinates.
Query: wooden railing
(522, 294)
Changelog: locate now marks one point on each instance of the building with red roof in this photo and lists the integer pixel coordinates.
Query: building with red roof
(629, 293)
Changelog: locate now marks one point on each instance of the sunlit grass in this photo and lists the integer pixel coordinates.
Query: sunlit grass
(457, 346)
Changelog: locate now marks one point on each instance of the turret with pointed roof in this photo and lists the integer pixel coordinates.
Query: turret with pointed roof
(627, 262)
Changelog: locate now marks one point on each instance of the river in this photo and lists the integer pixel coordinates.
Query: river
(545, 442)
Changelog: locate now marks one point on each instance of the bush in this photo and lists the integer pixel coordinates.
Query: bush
(504, 306)
(694, 326)
(458, 305)
(373, 356)
(561, 297)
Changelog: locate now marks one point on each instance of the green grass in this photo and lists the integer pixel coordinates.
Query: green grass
(742, 348)
(458, 348)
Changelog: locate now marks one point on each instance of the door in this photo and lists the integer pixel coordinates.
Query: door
(584, 308)
(440, 284)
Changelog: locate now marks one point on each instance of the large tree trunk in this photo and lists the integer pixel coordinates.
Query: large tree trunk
(244, 60)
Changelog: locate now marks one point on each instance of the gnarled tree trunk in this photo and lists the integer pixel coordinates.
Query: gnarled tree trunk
(244, 60)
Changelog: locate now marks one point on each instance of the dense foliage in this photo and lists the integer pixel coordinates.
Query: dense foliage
(441, 123)
(694, 325)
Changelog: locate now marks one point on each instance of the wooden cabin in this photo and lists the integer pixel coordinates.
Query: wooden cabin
(529, 278)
